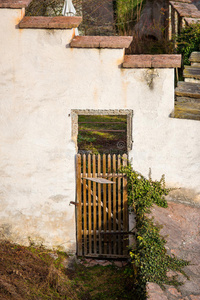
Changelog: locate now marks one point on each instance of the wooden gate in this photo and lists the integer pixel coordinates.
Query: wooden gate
(102, 208)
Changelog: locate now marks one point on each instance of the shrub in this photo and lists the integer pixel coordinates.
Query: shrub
(188, 41)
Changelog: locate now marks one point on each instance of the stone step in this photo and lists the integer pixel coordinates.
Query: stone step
(193, 80)
(191, 72)
(195, 57)
(188, 89)
(188, 100)
(186, 111)
(195, 65)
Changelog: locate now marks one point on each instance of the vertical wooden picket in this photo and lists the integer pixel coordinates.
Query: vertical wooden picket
(125, 208)
(99, 206)
(104, 206)
(109, 208)
(119, 205)
(94, 205)
(79, 206)
(84, 206)
(89, 205)
(114, 206)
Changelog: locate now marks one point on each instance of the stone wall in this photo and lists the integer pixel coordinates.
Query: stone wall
(42, 81)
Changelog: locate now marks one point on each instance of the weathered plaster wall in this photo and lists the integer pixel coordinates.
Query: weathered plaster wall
(42, 79)
(37, 156)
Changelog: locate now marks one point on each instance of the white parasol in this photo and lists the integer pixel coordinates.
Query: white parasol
(69, 10)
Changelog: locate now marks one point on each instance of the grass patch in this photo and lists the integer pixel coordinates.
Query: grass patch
(102, 134)
(105, 283)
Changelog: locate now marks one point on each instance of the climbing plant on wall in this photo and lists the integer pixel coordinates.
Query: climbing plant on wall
(149, 257)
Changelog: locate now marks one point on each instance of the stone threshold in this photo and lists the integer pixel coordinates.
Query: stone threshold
(87, 262)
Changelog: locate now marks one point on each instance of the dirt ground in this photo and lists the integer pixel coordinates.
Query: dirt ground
(37, 273)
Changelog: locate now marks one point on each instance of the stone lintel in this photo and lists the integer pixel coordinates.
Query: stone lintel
(152, 61)
(114, 42)
(60, 22)
(14, 3)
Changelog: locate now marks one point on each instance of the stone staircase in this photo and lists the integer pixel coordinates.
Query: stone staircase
(187, 104)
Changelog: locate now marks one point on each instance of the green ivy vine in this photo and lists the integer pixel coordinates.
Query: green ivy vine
(149, 257)
(188, 41)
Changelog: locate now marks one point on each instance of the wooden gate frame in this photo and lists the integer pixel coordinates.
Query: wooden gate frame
(91, 242)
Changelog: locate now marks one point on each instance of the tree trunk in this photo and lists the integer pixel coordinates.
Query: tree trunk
(152, 21)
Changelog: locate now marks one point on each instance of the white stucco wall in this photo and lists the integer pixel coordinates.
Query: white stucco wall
(41, 80)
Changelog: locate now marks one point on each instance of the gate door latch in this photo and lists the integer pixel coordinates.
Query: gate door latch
(74, 203)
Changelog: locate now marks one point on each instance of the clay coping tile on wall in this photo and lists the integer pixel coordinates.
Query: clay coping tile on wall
(185, 9)
(60, 22)
(152, 61)
(114, 42)
(14, 3)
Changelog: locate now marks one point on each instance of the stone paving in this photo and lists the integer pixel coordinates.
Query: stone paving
(87, 262)
(181, 225)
